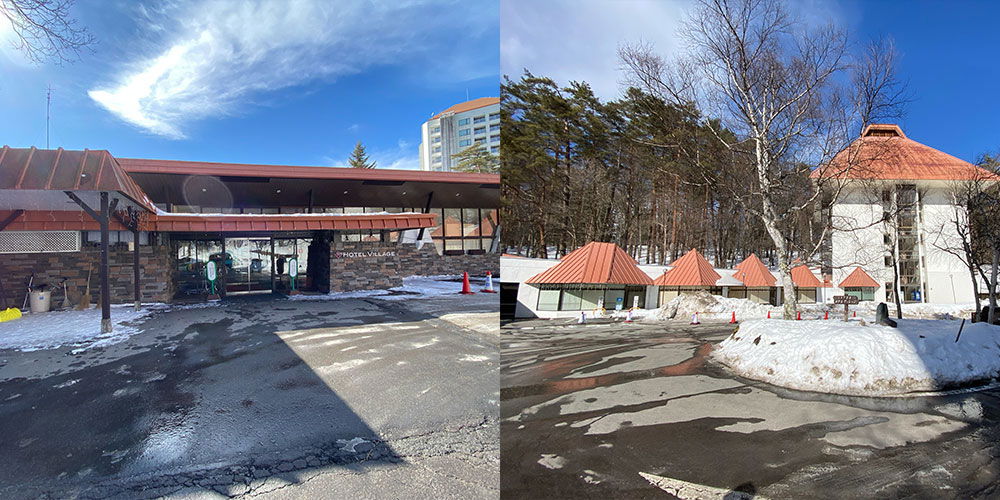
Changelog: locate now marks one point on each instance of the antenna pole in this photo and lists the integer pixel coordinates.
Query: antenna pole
(48, 106)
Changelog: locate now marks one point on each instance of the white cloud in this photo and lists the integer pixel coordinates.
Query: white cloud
(402, 157)
(572, 40)
(223, 53)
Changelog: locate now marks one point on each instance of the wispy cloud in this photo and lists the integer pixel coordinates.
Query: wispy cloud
(224, 53)
(401, 157)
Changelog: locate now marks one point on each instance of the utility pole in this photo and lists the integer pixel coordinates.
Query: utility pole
(48, 106)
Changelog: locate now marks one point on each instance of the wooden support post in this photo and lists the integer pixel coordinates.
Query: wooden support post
(135, 270)
(105, 281)
(11, 218)
(310, 201)
(427, 210)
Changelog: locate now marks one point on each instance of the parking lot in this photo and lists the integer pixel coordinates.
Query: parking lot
(263, 396)
(637, 411)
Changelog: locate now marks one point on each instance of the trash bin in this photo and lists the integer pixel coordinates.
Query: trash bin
(40, 301)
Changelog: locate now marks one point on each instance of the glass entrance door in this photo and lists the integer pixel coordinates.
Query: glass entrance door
(249, 262)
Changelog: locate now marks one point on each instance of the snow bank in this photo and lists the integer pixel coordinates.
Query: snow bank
(58, 328)
(709, 306)
(871, 360)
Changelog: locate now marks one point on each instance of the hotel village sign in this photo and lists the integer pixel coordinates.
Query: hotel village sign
(371, 253)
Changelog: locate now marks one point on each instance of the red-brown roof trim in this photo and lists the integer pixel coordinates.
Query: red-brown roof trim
(858, 278)
(594, 263)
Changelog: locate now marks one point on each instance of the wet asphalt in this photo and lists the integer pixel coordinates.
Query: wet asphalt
(260, 391)
(586, 408)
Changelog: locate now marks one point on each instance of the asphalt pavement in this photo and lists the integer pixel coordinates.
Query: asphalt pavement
(263, 397)
(640, 411)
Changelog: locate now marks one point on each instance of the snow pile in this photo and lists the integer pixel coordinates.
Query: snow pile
(709, 306)
(57, 328)
(862, 360)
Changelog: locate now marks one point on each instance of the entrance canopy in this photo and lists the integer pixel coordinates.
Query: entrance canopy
(237, 184)
(38, 179)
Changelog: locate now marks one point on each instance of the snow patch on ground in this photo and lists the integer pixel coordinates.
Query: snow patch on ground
(414, 287)
(552, 461)
(862, 360)
(54, 329)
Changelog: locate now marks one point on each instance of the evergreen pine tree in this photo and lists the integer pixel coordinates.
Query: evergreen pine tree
(359, 158)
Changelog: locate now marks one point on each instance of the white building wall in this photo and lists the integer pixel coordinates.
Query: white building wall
(860, 242)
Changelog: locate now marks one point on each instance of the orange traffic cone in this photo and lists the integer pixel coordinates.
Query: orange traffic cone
(855, 315)
(466, 288)
(733, 321)
(798, 316)
(489, 283)
(826, 315)
(768, 314)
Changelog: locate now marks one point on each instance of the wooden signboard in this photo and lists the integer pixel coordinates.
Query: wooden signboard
(847, 300)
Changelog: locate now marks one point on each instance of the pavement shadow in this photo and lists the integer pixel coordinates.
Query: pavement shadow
(212, 397)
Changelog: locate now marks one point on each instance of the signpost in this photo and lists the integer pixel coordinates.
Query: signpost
(212, 274)
(847, 300)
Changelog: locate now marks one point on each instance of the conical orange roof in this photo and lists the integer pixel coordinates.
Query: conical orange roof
(594, 263)
(690, 270)
(753, 272)
(858, 278)
(804, 278)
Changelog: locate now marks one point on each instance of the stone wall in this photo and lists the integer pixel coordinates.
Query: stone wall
(374, 265)
(156, 262)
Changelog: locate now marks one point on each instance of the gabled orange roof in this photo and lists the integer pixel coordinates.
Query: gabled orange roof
(858, 278)
(595, 263)
(481, 102)
(692, 269)
(753, 272)
(884, 152)
(804, 278)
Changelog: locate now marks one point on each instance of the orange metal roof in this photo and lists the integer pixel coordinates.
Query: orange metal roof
(692, 269)
(884, 152)
(804, 278)
(753, 272)
(594, 263)
(858, 278)
(67, 170)
(65, 220)
(481, 102)
(138, 165)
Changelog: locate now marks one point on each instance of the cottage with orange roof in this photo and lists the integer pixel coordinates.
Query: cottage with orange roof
(807, 285)
(593, 276)
(759, 284)
(688, 274)
(881, 170)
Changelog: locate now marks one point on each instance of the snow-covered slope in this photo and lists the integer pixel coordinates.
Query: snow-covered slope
(848, 358)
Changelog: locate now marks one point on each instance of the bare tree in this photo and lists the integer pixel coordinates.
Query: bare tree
(777, 84)
(44, 30)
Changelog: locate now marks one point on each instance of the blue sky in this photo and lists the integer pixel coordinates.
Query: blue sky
(259, 81)
(948, 53)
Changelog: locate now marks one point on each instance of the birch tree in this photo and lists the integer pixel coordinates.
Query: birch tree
(792, 94)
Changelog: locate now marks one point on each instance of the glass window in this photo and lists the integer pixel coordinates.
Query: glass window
(480, 130)
(470, 222)
(436, 130)
(463, 132)
(479, 119)
(480, 140)
(437, 139)
(548, 300)
(472, 244)
(494, 116)
(437, 149)
(611, 298)
(464, 142)
(463, 121)
(571, 300)
(495, 138)
(590, 298)
(494, 127)
(495, 150)
(452, 222)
